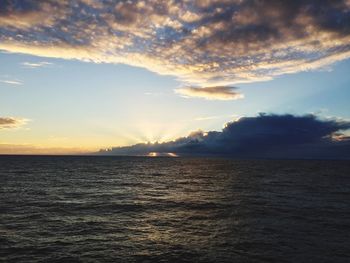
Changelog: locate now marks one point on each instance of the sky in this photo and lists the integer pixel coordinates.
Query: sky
(78, 76)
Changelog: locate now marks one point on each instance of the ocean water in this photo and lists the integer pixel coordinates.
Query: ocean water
(119, 209)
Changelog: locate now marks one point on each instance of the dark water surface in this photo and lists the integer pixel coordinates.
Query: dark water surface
(114, 209)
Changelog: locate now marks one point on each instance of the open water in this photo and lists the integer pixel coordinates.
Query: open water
(121, 209)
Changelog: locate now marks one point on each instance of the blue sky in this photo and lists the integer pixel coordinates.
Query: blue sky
(68, 97)
(73, 104)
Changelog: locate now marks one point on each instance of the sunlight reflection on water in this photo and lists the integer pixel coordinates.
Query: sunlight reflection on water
(112, 209)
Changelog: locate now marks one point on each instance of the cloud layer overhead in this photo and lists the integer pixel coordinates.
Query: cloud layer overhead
(264, 136)
(202, 43)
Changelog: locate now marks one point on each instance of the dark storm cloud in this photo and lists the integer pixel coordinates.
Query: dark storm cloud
(279, 136)
(203, 43)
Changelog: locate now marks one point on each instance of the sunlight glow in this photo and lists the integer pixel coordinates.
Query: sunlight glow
(156, 154)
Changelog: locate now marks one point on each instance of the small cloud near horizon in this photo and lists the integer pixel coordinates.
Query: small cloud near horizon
(28, 149)
(12, 122)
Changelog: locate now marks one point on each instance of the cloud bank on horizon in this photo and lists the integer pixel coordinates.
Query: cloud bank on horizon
(263, 136)
(202, 43)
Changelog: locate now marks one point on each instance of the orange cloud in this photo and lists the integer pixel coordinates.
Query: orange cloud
(211, 93)
(32, 149)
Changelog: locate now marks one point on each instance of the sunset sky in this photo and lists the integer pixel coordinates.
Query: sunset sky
(78, 76)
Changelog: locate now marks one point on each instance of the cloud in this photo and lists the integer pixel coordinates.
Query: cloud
(202, 43)
(207, 118)
(11, 82)
(24, 14)
(36, 65)
(11, 122)
(6, 148)
(263, 136)
(211, 93)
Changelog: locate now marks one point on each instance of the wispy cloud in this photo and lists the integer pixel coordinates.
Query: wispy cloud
(12, 122)
(206, 118)
(36, 65)
(202, 43)
(11, 82)
(155, 94)
(211, 93)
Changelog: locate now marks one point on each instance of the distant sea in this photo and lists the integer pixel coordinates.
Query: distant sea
(123, 209)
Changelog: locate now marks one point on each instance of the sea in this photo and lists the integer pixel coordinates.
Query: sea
(142, 209)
